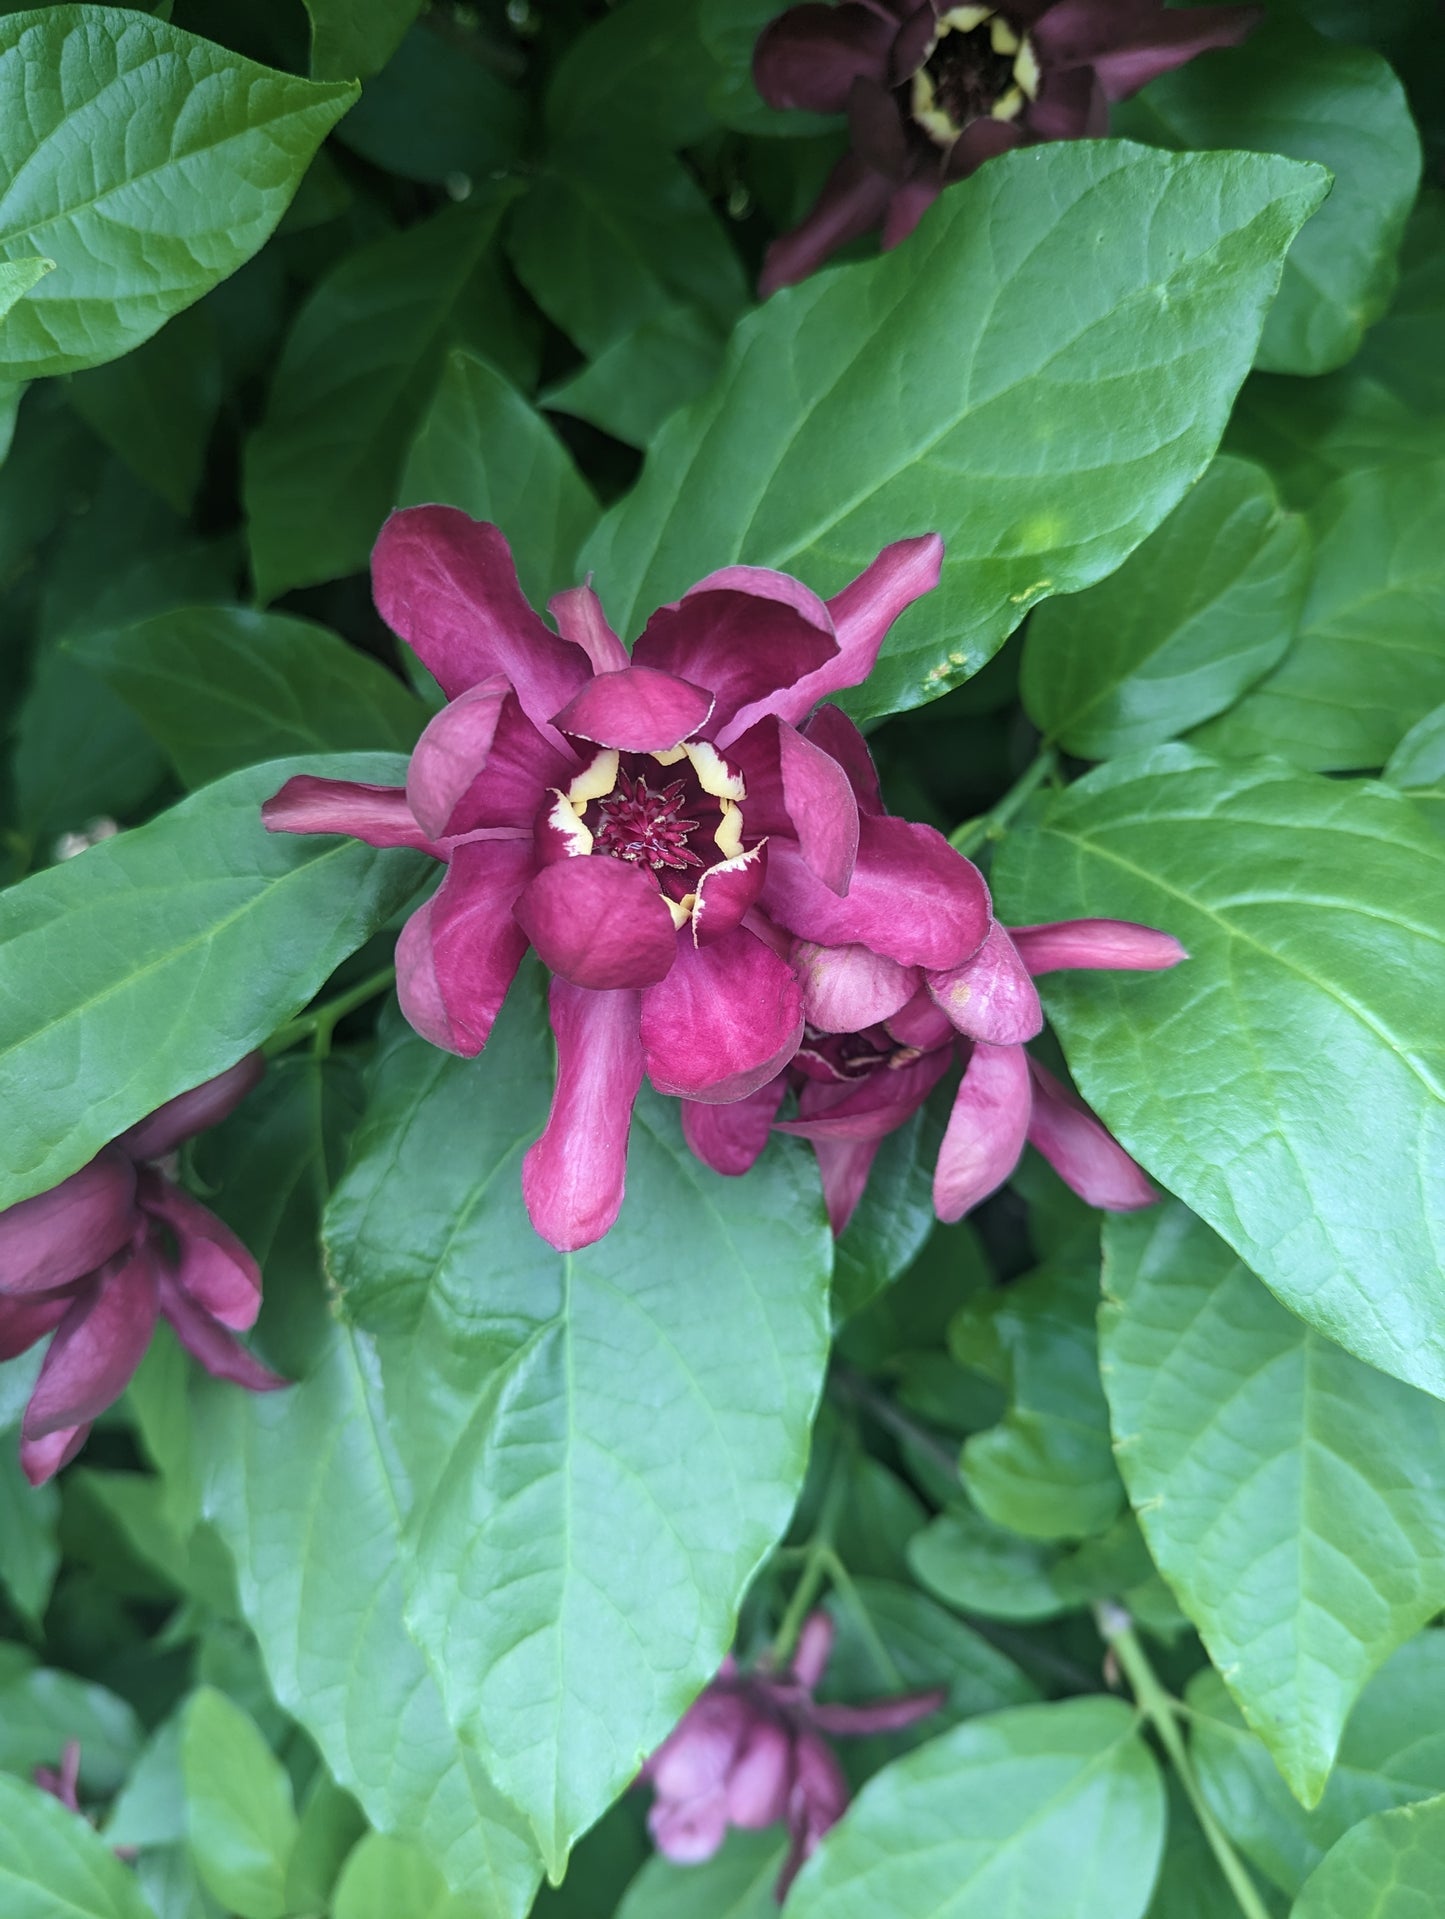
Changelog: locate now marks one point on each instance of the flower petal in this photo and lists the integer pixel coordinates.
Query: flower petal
(809, 57)
(883, 1715)
(212, 1265)
(1120, 945)
(689, 1831)
(831, 729)
(377, 814)
(870, 1108)
(818, 1801)
(459, 951)
(724, 1021)
(575, 1175)
(844, 1165)
(761, 1777)
(727, 892)
(854, 198)
(451, 752)
(579, 616)
(24, 1321)
(1129, 45)
(986, 1129)
(61, 1235)
(921, 1023)
(520, 769)
(820, 804)
(730, 1138)
(814, 1650)
(212, 1345)
(1081, 1152)
(981, 140)
(1071, 106)
(743, 634)
(598, 922)
(42, 1459)
(97, 1346)
(447, 585)
(846, 988)
(991, 995)
(908, 205)
(638, 709)
(194, 1112)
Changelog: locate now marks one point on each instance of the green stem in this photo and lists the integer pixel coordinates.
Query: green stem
(817, 1563)
(992, 825)
(1160, 1708)
(321, 1022)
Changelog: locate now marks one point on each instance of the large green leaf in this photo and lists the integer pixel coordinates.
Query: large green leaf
(52, 1866)
(239, 1814)
(351, 39)
(737, 1883)
(141, 212)
(1046, 1809)
(1366, 662)
(1269, 1469)
(1391, 1866)
(1290, 90)
(1286, 1080)
(17, 277)
(646, 53)
(220, 687)
(1418, 765)
(948, 386)
(640, 380)
(1198, 613)
(641, 1408)
(387, 1879)
(989, 1570)
(42, 1709)
(156, 959)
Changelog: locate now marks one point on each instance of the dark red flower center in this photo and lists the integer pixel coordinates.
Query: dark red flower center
(662, 812)
(979, 68)
(645, 823)
(851, 1056)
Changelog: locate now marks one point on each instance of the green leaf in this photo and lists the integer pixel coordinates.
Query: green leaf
(737, 1883)
(156, 408)
(1304, 904)
(1402, 351)
(643, 378)
(648, 53)
(220, 687)
(141, 212)
(484, 448)
(1056, 1809)
(1198, 613)
(113, 965)
(356, 374)
(80, 755)
(1289, 90)
(332, 1825)
(439, 112)
(894, 1217)
(387, 1879)
(1191, 1884)
(18, 277)
(52, 1866)
(1266, 1467)
(980, 1567)
(41, 1710)
(352, 39)
(239, 1814)
(1042, 437)
(168, 1878)
(1418, 765)
(1391, 1866)
(150, 1810)
(29, 1555)
(729, 30)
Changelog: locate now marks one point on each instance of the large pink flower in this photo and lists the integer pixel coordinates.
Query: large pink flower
(100, 1258)
(655, 826)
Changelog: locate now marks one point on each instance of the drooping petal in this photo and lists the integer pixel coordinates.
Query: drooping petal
(991, 996)
(579, 616)
(1080, 1151)
(907, 206)
(458, 952)
(818, 1801)
(876, 130)
(882, 1715)
(761, 1778)
(194, 1112)
(598, 922)
(1119, 945)
(451, 752)
(211, 1344)
(744, 635)
(575, 1175)
(921, 1023)
(913, 898)
(846, 988)
(58, 1236)
(212, 1265)
(854, 198)
(986, 1129)
(377, 814)
(727, 892)
(809, 57)
(981, 140)
(724, 1021)
(42, 1459)
(820, 804)
(638, 709)
(730, 1138)
(844, 1165)
(870, 1108)
(97, 1346)
(447, 585)
(814, 1649)
(24, 1321)
(1127, 47)
(831, 729)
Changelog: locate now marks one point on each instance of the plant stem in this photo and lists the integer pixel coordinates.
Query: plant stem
(819, 1559)
(850, 1384)
(993, 824)
(1160, 1708)
(319, 1024)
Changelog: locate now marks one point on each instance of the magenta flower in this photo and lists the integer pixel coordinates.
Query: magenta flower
(654, 826)
(99, 1258)
(750, 1751)
(933, 91)
(62, 1782)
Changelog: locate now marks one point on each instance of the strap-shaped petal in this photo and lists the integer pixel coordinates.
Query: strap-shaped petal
(1119, 945)
(991, 996)
(458, 952)
(1080, 1150)
(58, 1236)
(574, 1177)
(194, 1112)
(97, 1346)
(986, 1130)
(379, 815)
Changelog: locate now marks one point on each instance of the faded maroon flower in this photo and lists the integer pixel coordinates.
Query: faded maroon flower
(750, 1752)
(933, 91)
(656, 826)
(62, 1782)
(100, 1258)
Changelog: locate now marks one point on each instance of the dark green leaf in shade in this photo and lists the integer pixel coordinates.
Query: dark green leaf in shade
(1053, 1809)
(219, 687)
(1200, 611)
(737, 1883)
(29, 1555)
(240, 1819)
(356, 374)
(1390, 1866)
(879, 1517)
(1043, 438)
(80, 755)
(729, 30)
(41, 1710)
(484, 448)
(1366, 662)
(352, 39)
(155, 408)
(53, 1866)
(330, 1827)
(150, 1809)
(440, 112)
(1418, 765)
(639, 381)
(1190, 1883)
(1268, 1467)
(1309, 433)
(113, 966)
(913, 1314)
(646, 53)
(1306, 906)
(1289, 90)
(1402, 352)
(894, 1217)
(141, 212)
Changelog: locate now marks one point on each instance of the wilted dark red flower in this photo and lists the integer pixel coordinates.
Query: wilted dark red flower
(750, 1752)
(99, 1258)
(654, 825)
(933, 91)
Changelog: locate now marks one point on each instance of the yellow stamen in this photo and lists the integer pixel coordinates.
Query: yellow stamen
(1026, 69)
(1009, 105)
(1003, 37)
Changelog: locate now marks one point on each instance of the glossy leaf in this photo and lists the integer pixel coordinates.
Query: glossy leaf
(1303, 905)
(983, 415)
(1200, 611)
(141, 213)
(157, 928)
(239, 1815)
(52, 1865)
(1391, 1866)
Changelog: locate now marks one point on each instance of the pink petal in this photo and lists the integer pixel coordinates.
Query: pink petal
(730, 1138)
(819, 1800)
(24, 1321)
(844, 1165)
(986, 1129)
(42, 1459)
(743, 634)
(699, 1752)
(458, 953)
(1117, 944)
(913, 898)
(846, 988)
(690, 1832)
(194, 1112)
(377, 814)
(58, 1236)
(854, 199)
(447, 585)
(211, 1345)
(598, 922)
(991, 995)
(579, 616)
(213, 1267)
(724, 1021)
(883, 1715)
(727, 892)
(97, 1346)
(520, 769)
(452, 751)
(574, 1177)
(1081, 1152)
(638, 709)
(761, 1777)
(921, 1023)
(831, 729)
(814, 1649)
(871, 1108)
(810, 56)
(820, 803)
